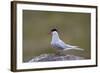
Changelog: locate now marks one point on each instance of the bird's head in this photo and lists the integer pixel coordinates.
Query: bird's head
(53, 30)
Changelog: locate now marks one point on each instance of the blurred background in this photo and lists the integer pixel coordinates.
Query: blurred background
(74, 29)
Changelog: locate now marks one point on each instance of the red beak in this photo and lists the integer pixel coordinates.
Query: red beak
(50, 33)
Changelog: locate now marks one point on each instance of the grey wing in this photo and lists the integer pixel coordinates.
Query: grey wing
(62, 45)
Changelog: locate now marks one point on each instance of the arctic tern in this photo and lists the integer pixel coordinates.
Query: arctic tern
(58, 44)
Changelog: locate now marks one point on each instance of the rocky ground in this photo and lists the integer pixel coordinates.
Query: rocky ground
(54, 57)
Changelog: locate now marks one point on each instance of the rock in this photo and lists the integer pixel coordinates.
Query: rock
(53, 57)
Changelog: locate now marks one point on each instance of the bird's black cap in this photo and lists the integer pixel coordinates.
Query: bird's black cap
(53, 30)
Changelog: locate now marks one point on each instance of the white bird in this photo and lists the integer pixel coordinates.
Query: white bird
(58, 44)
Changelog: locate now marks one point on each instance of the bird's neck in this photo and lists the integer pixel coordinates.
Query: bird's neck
(55, 36)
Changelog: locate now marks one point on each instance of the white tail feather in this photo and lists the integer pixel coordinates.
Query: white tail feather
(74, 48)
(79, 49)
